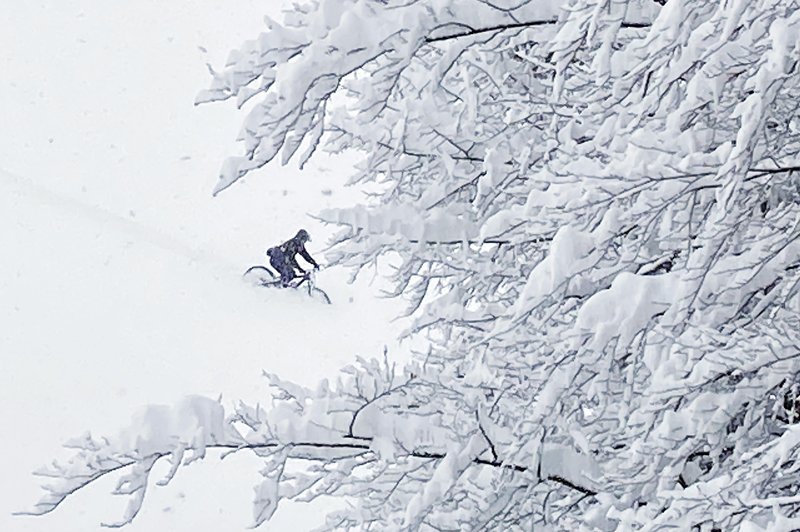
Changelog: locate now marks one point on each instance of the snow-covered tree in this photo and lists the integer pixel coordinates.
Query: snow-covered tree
(594, 208)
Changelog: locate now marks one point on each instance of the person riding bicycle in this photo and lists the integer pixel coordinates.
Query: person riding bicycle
(282, 257)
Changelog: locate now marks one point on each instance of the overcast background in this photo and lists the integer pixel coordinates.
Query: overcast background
(119, 273)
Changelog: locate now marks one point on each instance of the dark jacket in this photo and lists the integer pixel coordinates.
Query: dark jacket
(292, 247)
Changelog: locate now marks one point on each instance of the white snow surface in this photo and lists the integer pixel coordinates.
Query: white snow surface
(120, 275)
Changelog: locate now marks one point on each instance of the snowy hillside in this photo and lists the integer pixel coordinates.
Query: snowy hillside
(119, 273)
(102, 314)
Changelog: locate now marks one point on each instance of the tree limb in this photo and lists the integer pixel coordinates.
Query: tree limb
(528, 24)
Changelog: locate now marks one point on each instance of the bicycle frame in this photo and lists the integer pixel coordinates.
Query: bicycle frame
(272, 280)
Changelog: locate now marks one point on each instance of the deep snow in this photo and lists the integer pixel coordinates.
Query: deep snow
(102, 315)
(120, 274)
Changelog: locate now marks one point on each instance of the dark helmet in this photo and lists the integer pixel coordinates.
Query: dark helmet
(303, 236)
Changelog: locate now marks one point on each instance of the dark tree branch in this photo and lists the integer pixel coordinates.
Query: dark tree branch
(775, 170)
(516, 25)
(569, 484)
(360, 448)
(486, 437)
(457, 242)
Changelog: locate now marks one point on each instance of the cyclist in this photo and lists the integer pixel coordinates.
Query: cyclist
(282, 257)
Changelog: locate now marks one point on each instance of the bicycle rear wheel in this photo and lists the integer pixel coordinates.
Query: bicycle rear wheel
(260, 275)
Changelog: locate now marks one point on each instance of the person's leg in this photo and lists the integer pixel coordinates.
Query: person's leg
(286, 275)
(277, 261)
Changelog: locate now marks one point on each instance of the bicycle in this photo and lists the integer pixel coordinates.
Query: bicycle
(263, 276)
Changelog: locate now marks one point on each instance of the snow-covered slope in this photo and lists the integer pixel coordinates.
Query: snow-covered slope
(102, 314)
(119, 273)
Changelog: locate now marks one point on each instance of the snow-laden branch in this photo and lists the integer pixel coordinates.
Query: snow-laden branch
(356, 425)
(518, 25)
(381, 41)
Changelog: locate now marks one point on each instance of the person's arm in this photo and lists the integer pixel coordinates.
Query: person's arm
(304, 253)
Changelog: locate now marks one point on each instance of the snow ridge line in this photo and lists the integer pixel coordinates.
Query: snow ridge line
(136, 230)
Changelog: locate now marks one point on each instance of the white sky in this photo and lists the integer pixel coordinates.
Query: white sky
(119, 274)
